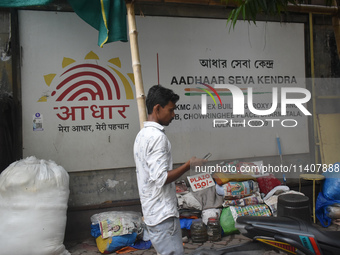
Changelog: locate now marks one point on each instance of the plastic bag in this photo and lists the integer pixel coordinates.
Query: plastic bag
(33, 203)
(185, 223)
(321, 209)
(329, 196)
(117, 223)
(331, 185)
(227, 222)
(115, 243)
(230, 214)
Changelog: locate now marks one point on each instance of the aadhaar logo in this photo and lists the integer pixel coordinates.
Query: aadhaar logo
(91, 82)
(204, 97)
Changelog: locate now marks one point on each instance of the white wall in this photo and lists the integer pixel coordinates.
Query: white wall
(53, 43)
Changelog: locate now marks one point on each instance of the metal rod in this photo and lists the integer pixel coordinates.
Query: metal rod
(311, 42)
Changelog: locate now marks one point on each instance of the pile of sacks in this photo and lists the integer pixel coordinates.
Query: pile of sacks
(119, 231)
(199, 205)
(241, 195)
(235, 194)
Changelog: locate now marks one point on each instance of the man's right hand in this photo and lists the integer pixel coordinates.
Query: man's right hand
(197, 162)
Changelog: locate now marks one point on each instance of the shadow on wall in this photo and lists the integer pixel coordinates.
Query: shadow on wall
(7, 155)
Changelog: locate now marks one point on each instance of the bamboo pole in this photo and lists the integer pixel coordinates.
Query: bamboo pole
(136, 65)
(315, 127)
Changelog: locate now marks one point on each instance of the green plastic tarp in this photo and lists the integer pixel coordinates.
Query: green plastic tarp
(106, 16)
(22, 3)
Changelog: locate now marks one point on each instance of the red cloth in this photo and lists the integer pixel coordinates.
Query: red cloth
(267, 183)
(126, 250)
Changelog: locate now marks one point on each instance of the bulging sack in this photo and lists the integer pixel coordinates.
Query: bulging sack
(33, 203)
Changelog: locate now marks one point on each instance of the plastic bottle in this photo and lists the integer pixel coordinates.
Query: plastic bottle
(198, 231)
(214, 229)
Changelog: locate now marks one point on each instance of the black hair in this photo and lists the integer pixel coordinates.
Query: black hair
(159, 95)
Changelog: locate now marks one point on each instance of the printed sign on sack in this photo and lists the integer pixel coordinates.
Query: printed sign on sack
(200, 181)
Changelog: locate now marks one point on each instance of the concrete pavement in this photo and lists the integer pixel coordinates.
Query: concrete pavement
(88, 246)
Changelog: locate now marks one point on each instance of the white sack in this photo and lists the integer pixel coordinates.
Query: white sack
(33, 204)
(210, 213)
(188, 201)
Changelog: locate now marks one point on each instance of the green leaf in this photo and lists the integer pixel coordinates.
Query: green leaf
(236, 15)
(251, 8)
(230, 18)
(246, 10)
(252, 11)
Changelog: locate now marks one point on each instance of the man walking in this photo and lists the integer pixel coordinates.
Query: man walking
(155, 174)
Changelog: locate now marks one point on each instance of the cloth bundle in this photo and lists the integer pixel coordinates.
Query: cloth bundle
(333, 211)
(202, 199)
(246, 194)
(116, 230)
(251, 200)
(117, 223)
(223, 178)
(188, 201)
(237, 190)
(231, 213)
(250, 210)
